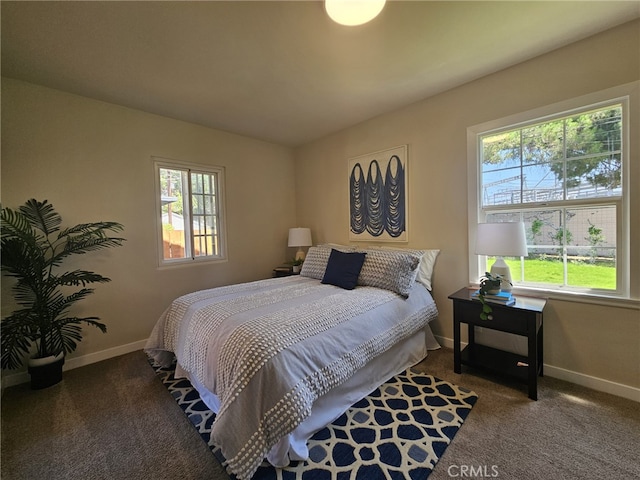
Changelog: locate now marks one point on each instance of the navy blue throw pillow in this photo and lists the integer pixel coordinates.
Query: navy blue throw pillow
(343, 269)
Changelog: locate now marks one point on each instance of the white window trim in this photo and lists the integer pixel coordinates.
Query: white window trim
(158, 163)
(626, 95)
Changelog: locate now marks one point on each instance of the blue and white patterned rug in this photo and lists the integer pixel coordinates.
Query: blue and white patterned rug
(397, 432)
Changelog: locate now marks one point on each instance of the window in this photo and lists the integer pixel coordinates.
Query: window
(563, 176)
(190, 212)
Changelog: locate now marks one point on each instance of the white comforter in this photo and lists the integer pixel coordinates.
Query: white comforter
(269, 349)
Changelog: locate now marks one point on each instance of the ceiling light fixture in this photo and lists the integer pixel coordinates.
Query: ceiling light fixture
(353, 12)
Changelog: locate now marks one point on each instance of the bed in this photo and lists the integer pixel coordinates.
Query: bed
(278, 359)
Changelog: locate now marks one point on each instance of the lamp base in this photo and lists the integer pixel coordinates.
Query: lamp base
(300, 254)
(502, 269)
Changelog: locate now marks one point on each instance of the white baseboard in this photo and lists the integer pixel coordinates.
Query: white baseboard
(595, 383)
(76, 362)
(447, 342)
(602, 385)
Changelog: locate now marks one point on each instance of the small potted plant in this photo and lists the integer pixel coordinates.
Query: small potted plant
(296, 265)
(489, 285)
(33, 248)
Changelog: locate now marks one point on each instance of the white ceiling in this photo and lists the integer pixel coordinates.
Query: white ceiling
(282, 71)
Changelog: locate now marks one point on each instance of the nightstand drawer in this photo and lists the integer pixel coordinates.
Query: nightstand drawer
(506, 319)
(283, 272)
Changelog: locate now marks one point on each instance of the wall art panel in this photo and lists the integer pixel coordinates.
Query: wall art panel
(378, 196)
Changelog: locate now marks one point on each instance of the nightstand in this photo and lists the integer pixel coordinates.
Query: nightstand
(524, 318)
(283, 272)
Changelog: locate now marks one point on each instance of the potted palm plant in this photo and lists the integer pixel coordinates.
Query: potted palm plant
(33, 248)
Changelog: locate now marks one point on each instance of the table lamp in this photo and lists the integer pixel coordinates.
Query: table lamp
(300, 237)
(506, 239)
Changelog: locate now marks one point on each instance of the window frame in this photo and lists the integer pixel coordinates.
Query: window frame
(219, 177)
(477, 264)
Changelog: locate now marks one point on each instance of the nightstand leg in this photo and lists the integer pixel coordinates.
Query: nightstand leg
(456, 344)
(533, 361)
(540, 350)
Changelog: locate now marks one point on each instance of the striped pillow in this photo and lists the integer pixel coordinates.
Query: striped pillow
(315, 263)
(427, 261)
(388, 269)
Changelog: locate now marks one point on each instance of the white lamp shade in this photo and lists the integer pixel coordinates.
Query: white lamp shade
(353, 12)
(501, 239)
(300, 237)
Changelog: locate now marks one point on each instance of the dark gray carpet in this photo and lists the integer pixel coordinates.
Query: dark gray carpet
(115, 420)
(110, 420)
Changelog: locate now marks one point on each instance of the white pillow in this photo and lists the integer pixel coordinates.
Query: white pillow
(427, 262)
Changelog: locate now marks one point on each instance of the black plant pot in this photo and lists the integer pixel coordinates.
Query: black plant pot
(45, 374)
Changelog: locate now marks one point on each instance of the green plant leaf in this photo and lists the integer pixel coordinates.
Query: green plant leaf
(16, 338)
(42, 216)
(79, 277)
(33, 248)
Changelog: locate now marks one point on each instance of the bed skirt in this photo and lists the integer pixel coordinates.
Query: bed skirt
(293, 447)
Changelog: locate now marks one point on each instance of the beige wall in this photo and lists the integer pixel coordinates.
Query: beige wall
(92, 161)
(598, 341)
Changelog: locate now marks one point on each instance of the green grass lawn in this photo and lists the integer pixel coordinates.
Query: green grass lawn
(579, 274)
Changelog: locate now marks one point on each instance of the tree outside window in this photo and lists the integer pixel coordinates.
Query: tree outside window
(572, 168)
